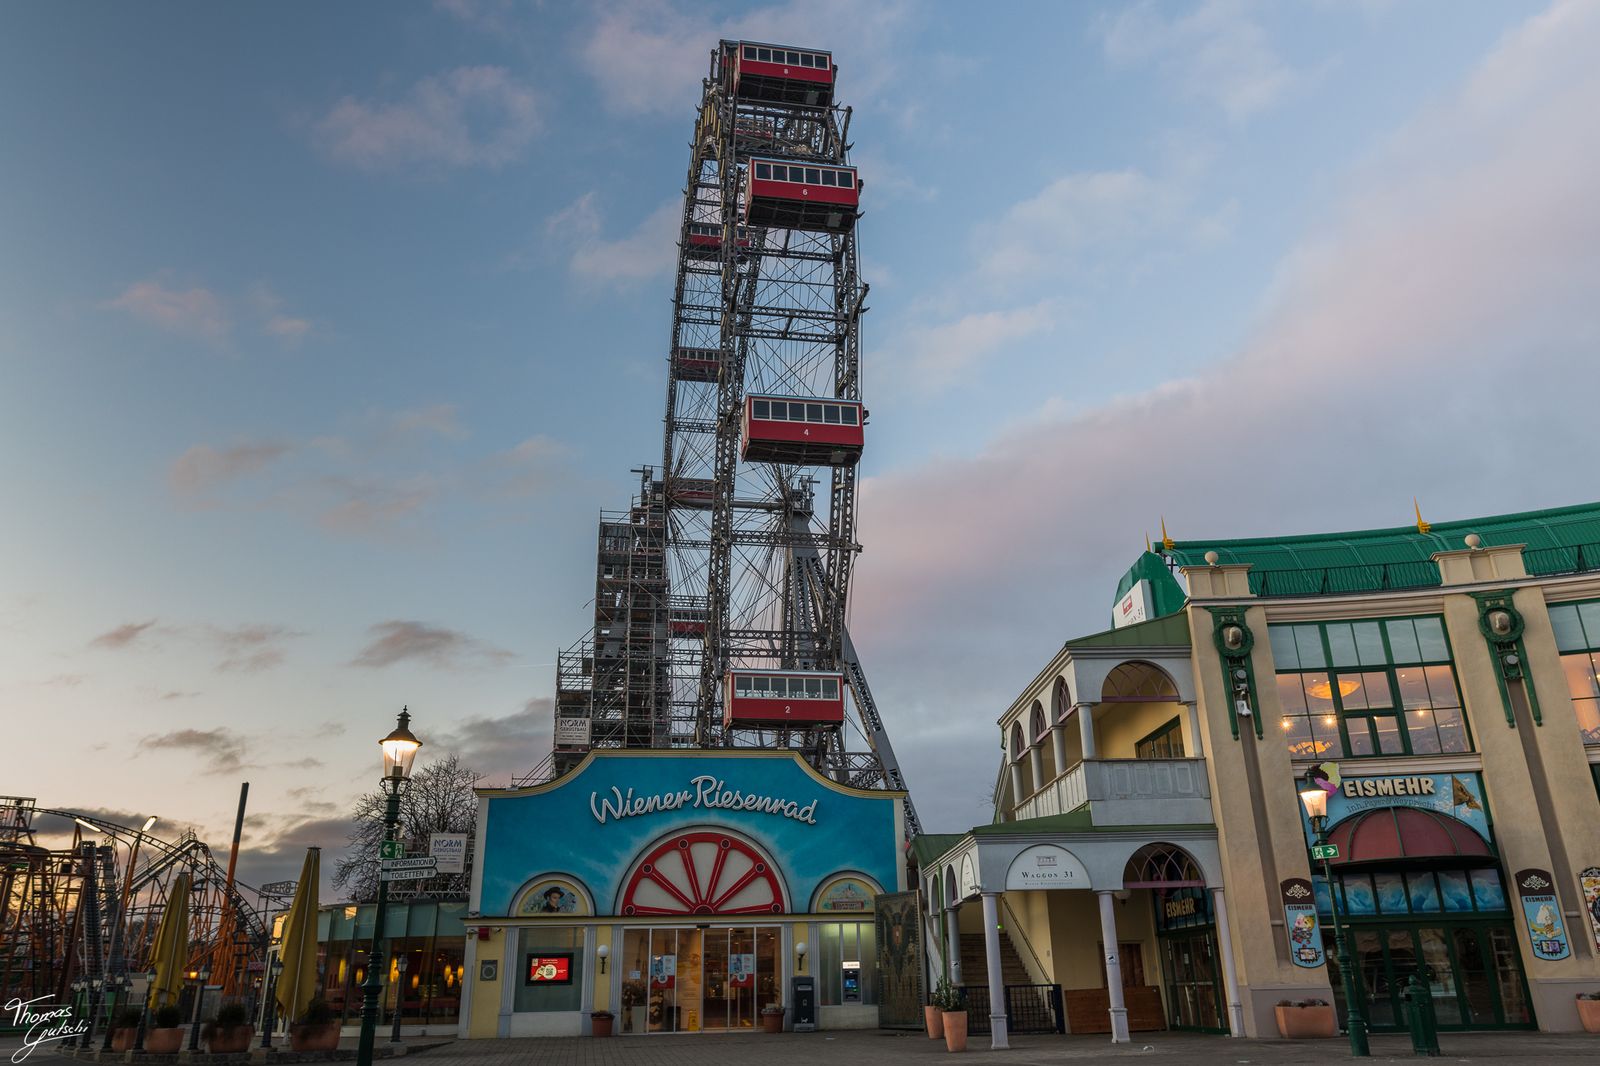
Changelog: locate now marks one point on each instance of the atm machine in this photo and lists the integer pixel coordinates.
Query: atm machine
(851, 983)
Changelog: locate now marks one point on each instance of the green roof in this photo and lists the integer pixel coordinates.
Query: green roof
(929, 846)
(1166, 595)
(1560, 540)
(1170, 631)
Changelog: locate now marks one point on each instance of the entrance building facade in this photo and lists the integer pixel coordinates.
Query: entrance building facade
(1445, 680)
(680, 892)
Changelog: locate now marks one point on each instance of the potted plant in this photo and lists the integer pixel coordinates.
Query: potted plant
(933, 1018)
(952, 1014)
(637, 1018)
(600, 1022)
(772, 1018)
(316, 1030)
(165, 1036)
(1304, 1019)
(124, 1028)
(230, 1032)
(1589, 1011)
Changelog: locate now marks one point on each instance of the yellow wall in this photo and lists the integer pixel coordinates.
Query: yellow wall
(1118, 727)
(484, 1024)
(612, 938)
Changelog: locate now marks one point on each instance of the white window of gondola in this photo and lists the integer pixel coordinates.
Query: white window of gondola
(764, 55)
(847, 180)
(849, 414)
(762, 409)
(792, 58)
(805, 60)
(759, 684)
(764, 171)
(813, 412)
(749, 52)
(830, 177)
(741, 686)
(813, 176)
(830, 413)
(830, 689)
(814, 688)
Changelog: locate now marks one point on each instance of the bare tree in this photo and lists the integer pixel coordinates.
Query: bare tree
(439, 800)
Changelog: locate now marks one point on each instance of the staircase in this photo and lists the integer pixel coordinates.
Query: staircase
(974, 963)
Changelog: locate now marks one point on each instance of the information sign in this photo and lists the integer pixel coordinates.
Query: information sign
(416, 862)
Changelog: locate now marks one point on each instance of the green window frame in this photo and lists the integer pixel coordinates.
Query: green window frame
(1369, 688)
(1577, 628)
(1165, 743)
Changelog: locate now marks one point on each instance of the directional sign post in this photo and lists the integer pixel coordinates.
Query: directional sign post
(1324, 851)
(417, 862)
(421, 873)
(392, 849)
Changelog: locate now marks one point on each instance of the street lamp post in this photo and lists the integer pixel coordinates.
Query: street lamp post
(1315, 799)
(202, 975)
(401, 964)
(144, 1012)
(399, 752)
(269, 982)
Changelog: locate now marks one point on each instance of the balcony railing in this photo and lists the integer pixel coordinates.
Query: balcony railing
(1127, 792)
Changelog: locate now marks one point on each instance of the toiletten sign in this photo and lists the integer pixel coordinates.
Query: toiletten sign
(1546, 929)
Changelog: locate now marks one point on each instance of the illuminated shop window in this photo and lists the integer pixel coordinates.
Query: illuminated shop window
(1577, 627)
(1368, 688)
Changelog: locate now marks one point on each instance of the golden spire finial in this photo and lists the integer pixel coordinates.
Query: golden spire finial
(1166, 541)
(1147, 542)
(1422, 527)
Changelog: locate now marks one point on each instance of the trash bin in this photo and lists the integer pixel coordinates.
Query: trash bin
(1424, 1025)
(804, 990)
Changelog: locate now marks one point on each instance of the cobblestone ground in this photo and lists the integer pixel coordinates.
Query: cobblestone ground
(873, 1046)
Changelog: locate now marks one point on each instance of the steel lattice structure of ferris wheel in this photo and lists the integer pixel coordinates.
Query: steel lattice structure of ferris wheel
(760, 534)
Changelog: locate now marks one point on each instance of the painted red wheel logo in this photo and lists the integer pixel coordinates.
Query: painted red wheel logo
(703, 873)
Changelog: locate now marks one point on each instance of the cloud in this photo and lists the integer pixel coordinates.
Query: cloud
(650, 251)
(467, 117)
(124, 636)
(67, 680)
(251, 648)
(440, 420)
(941, 353)
(176, 694)
(1093, 211)
(1392, 356)
(505, 747)
(63, 823)
(276, 851)
(444, 649)
(530, 468)
(268, 305)
(1218, 53)
(193, 312)
(222, 750)
(203, 468)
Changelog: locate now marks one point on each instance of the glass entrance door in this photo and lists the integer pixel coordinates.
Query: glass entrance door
(1472, 972)
(690, 980)
(1190, 965)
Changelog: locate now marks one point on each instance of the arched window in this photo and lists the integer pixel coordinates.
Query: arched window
(1162, 866)
(1018, 744)
(1138, 683)
(1036, 721)
(1060, 700)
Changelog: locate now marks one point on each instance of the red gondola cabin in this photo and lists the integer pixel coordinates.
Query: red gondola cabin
(804, 196)
(770, 698)
(807, 432)
(696, 364)
(777, 74)
(704, 240)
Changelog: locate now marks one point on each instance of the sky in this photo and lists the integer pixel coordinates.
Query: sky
(327, 330)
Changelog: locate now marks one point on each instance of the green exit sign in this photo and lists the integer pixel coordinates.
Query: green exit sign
(1324, 851)
(392, 849)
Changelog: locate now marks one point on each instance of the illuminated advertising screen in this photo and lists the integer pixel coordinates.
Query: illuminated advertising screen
(550, 969)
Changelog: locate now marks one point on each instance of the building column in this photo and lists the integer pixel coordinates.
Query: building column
(1230, 976)
(1058, 746)
(1036, 765)
(997, 979)
(952, 918)
(1085, 712)
(1194, 731)
(1108, 934)
(1016, 783)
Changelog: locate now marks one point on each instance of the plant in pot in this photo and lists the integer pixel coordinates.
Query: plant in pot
(952, 1014)
(636, 1010)
(316, 1030)
(933, 1018)
(230, 1032)
(1589, 1011)
(772, 1018)
(165, 1036)
(600, 1022)
(124, 1028)
(1304, 1019)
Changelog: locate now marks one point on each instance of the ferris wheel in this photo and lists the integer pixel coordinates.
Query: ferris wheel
(722, 594)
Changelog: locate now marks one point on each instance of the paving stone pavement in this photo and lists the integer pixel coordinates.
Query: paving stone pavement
(847, 1048)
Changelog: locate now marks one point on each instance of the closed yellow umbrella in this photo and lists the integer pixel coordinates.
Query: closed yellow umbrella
(297, 984)
(170, 951)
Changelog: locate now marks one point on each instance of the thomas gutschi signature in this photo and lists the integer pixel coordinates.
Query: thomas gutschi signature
(43, 1024)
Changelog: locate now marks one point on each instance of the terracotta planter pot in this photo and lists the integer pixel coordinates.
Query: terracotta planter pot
(601, 1024)
(933, 1017)
(229, 1040)
(122, 1039)
(955, 1030)
(1589, 1015)
(164, 1041)
(323, 1037)
(1305, 1023)
(772, 1021)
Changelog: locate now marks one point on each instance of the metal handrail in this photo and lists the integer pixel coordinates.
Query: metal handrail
(1013, 925)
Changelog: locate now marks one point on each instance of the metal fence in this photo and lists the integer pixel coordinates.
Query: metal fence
(1029, 1008)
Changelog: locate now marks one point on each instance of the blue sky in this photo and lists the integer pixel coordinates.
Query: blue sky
(327, 330)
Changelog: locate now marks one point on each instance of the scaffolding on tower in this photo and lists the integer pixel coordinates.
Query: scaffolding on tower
(727, 581)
